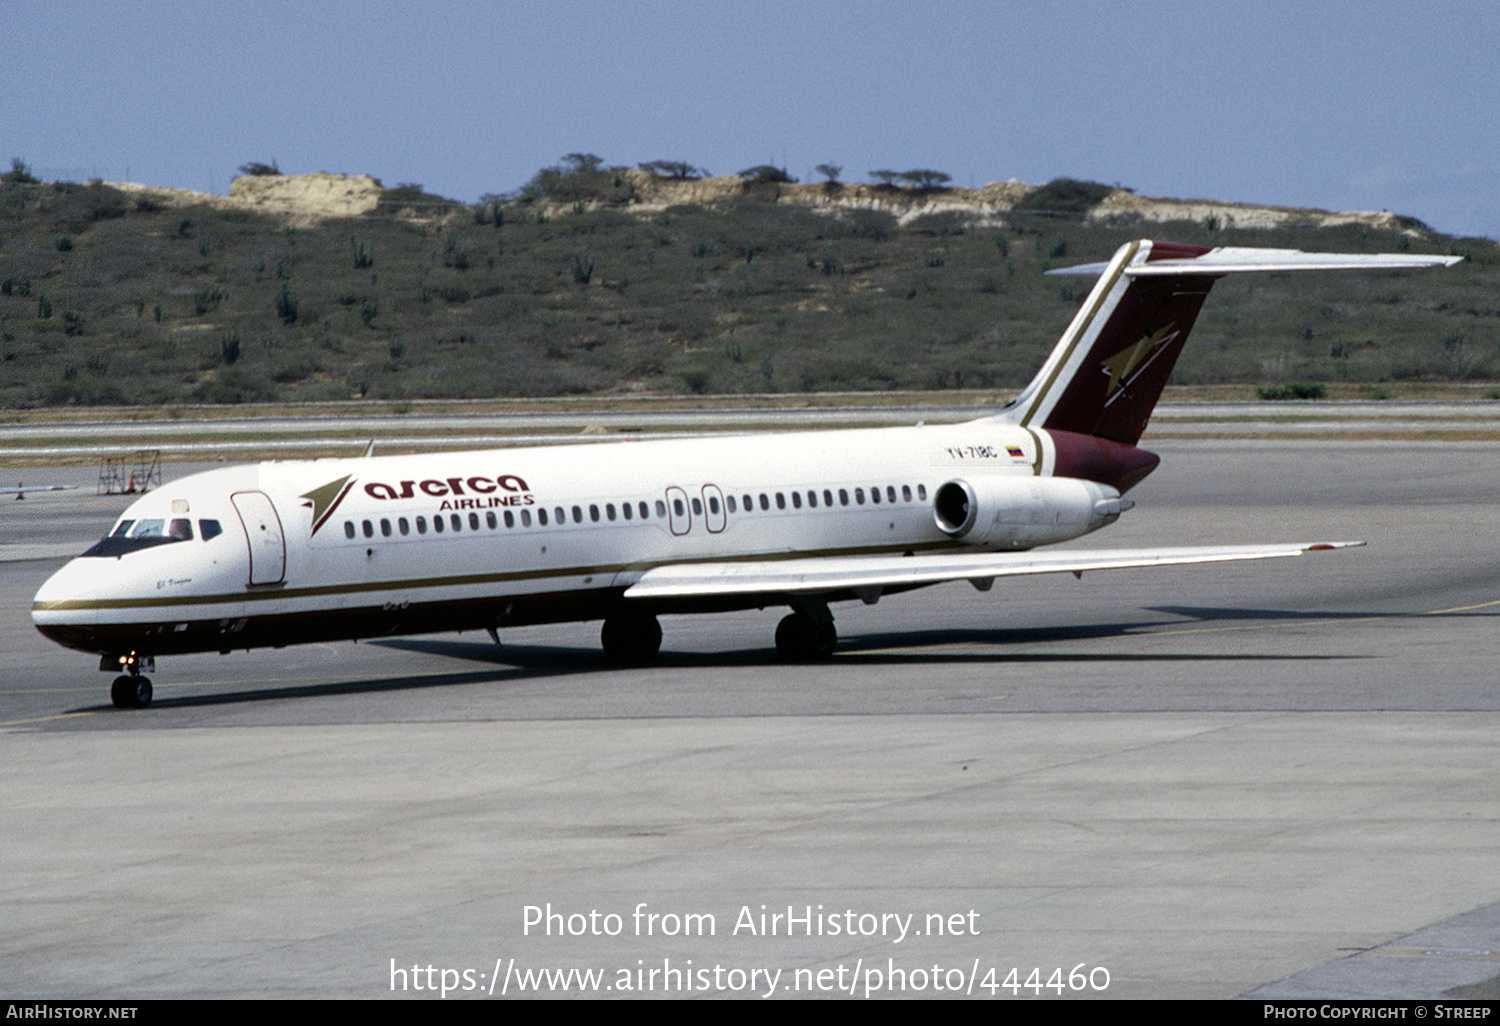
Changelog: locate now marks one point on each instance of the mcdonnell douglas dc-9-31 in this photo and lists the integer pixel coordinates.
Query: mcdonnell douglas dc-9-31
(284, 553)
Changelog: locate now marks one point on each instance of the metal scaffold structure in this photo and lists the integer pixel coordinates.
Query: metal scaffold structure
(127, 475)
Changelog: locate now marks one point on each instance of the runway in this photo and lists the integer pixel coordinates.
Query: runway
(1270, 779)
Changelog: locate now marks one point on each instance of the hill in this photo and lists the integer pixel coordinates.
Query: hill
(322, 287)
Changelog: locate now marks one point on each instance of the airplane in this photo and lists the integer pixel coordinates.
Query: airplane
(292, 552)
(20, 490)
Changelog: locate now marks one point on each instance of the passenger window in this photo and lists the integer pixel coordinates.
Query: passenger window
(510, 519)
(812, 500)
(875, 495)
(368, 528)
(765, 503)
(645, 512)
(348, 529)
(541, 516)
(906, 493)
(780, 501)
(525, 518)
(859, 496)
(609, 511)
(473, 521)
(678, 507)
(922, 492)
(796, 500)
(437, 524)
(749, 504)
(421, 525)
(843, 497)
(697, 506)
(491, 522)
(385, 528)
(729, 504)
(626, 510)
(661, 510)
(558, 512)
(827, 497)
(713, 505)
(594, 513)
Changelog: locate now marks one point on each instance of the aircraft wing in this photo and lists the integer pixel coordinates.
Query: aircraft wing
(20, 490)
(868, 576)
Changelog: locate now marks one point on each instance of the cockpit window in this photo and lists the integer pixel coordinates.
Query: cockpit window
(209, 529)
(134, 535)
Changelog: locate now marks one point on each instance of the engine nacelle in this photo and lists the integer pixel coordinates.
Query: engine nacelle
(1022, 511)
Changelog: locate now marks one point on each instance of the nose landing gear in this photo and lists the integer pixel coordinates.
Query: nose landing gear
(130, 690)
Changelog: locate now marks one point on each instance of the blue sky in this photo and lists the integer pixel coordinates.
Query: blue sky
(1339, 104)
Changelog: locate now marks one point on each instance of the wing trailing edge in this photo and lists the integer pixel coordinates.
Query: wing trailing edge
(869, 575)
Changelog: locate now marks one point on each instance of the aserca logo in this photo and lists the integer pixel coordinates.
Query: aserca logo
(505, 490)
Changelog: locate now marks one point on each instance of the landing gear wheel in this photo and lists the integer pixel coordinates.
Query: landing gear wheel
(802, 639)
(131, 692)
(631, 639)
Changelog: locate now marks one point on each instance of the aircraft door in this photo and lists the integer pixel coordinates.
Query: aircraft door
(714, 517)
(679, 513)
(264, 535)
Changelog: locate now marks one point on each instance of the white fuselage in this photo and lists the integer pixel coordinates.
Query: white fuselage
(323, 549)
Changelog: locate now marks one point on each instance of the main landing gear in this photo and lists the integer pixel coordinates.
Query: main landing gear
(631, 639)
(807, 635)
(130, 690)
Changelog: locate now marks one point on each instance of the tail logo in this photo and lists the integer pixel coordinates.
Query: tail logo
(1125, 365)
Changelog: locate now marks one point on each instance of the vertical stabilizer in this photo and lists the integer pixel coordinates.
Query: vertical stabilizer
(1108, 370)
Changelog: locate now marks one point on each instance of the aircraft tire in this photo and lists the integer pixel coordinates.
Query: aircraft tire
(801, 639)
(131, 692)
(631, 639)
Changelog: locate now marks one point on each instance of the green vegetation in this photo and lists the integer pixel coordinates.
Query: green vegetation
(1067, 196)
(1294, 390)
(767, 174)
(565, 289)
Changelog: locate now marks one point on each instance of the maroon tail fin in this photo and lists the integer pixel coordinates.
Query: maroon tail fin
(1107, 372)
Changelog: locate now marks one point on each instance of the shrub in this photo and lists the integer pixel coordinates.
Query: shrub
(286, 305)
(1065, 195)
(1293, 390)
(762, 174)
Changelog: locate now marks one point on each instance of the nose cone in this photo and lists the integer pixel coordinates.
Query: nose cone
(62, 609)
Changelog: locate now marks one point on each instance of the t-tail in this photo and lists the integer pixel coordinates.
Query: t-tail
(1096, 392)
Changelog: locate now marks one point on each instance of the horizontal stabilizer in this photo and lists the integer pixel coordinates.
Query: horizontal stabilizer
(1239, 259)
(861, 574)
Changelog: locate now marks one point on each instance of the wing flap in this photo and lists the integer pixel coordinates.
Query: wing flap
(861, 574)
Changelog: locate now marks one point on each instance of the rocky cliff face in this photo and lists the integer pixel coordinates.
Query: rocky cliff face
(323, 194)
(990, 204)
(327, 195)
